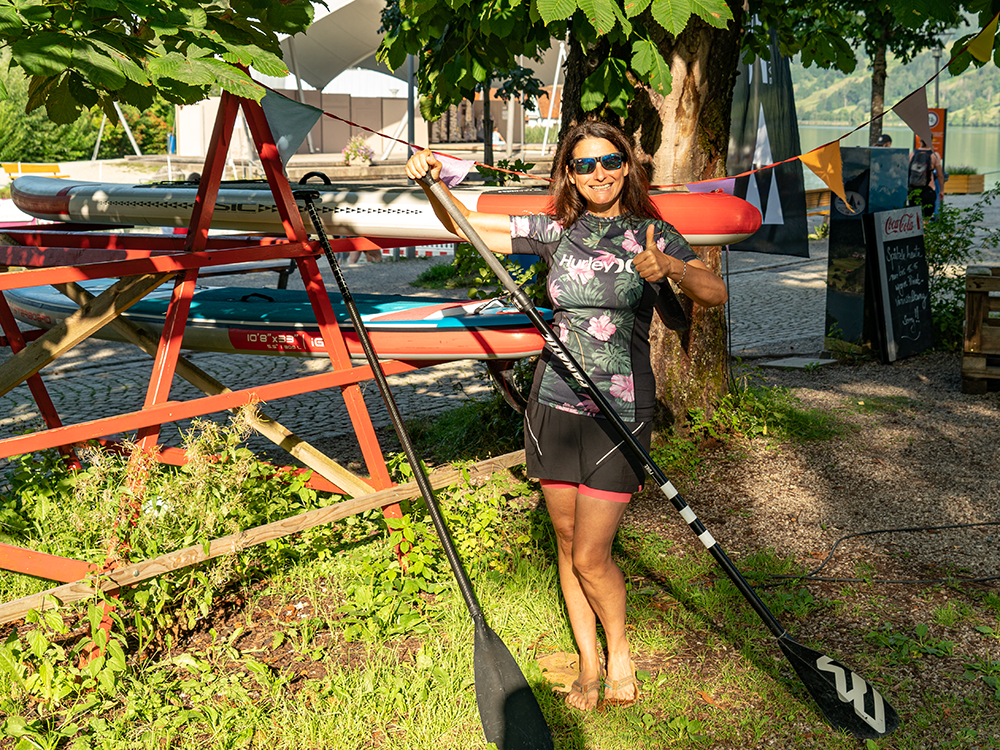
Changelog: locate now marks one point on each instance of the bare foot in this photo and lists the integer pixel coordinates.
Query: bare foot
(586, 689)
(621, 687)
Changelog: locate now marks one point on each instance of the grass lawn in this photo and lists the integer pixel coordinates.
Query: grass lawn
(323, 640)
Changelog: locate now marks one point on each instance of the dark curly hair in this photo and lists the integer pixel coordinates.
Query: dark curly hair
(568, 205)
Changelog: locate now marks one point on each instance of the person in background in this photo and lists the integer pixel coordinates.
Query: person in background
(884, 141)
(926, 178)
(608, 250)
(354, 257)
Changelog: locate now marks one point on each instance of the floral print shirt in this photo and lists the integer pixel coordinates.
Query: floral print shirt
(602, 308)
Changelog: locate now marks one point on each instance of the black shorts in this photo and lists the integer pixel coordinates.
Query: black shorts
(566, 447)
(927, 198)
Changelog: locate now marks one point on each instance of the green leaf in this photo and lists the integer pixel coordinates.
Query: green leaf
(622, 19)
(672, 15)
(98, 67)
(11, 666)
(195, 17)
(290, 17)
(43, 54)
(269, 64)
(556, 10)
(34, 12)
(235, 81)
(37, 642)
(10, 22)
(140, 97)
(126, 64)
(479, 71)
(178, 67)
(607, 86)
(635, 7)
(116, 657)
(177, 92)
(94, 615)
(600, 14)
(38, 90)
(713, 12)
(649, 63)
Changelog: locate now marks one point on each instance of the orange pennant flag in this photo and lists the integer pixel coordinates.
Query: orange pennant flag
(981, 47)
(825, 162)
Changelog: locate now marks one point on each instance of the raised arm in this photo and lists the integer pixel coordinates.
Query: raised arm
(693, 278)
(493, 228)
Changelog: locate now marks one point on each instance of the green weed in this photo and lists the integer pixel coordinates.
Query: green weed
(950, 614)
(442, 276)
(951, 242)
(907, 648)
(987, 670)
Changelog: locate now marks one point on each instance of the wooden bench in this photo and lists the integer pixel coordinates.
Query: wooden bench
(15, 169)
(981, 352)
(818, 202)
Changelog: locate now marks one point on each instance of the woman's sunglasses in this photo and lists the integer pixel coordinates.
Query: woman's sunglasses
(588, 164)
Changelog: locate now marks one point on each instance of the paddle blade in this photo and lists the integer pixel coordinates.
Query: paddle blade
(511, 716)
(847, 700)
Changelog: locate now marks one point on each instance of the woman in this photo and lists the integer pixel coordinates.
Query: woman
(606, 247)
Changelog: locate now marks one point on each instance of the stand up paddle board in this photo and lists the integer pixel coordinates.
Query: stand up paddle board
(281, 322)
(362, 210)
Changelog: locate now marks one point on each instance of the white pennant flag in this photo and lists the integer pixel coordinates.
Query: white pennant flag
(290, 122)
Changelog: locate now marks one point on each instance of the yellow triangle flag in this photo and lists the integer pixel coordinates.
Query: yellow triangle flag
(825, 162)
(981, 47)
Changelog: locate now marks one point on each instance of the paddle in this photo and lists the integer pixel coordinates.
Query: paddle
(846, 699)
(510, 714)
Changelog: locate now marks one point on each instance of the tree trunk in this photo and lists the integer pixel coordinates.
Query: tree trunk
(686, 134)
(682, 137)
(878, 94)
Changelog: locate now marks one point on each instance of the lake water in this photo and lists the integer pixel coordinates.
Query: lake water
(966, 147)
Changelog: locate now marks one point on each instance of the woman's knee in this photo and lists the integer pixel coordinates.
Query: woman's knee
(591, 562)
(564, 538)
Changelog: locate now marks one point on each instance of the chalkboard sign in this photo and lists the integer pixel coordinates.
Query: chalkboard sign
(895, 242)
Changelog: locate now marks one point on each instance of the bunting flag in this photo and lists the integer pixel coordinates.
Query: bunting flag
(290, 122)
(981, 47)
(913, 111)
(825, 162)
(453, 170)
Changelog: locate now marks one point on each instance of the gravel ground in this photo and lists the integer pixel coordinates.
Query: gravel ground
(913, 451)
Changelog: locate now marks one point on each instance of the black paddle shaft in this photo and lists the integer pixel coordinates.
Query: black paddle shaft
(308, 196)
(847, 700)
(508, 709)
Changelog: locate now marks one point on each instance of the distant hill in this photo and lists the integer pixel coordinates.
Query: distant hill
(828, 97)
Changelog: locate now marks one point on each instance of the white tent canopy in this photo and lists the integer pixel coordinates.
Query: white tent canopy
(348, 36)
(344, 38)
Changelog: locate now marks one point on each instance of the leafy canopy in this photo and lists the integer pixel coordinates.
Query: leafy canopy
(82, 53)
(463, 43)
(984, 11)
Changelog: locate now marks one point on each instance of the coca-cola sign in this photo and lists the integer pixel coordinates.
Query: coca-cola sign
(903, 223)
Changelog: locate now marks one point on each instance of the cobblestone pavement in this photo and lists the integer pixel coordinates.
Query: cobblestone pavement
(777, 307)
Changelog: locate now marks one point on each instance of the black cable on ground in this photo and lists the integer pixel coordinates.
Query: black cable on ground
(811, 575)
